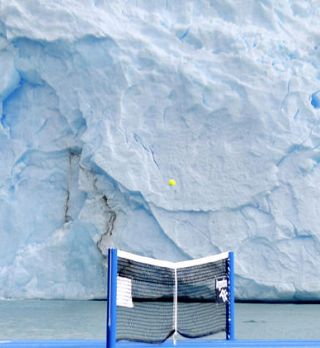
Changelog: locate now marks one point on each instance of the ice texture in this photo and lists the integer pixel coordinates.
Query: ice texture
(102, 102)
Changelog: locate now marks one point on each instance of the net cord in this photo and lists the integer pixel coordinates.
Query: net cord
(172, 265)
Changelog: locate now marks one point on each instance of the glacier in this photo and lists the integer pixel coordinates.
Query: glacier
(102, 102)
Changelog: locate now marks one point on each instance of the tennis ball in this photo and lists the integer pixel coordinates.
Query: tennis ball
(172, 182)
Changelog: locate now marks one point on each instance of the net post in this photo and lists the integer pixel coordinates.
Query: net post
(230, 332)
(112, 299)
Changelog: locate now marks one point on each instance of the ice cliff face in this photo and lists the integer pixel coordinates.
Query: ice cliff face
(102, 102)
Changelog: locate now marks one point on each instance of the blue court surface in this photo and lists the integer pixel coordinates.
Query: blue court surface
(181, 344)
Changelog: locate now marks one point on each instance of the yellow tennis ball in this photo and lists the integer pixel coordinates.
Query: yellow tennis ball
(172, 182)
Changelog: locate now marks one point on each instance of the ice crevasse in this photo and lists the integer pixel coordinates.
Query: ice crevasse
(102, 102)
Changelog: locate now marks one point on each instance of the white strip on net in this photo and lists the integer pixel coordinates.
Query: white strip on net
(173, 265)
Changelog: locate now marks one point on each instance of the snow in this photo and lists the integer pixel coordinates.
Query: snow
(101, 103)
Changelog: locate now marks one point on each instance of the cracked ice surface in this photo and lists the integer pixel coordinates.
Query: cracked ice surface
(102, 102)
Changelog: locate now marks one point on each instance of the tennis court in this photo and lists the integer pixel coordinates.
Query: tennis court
(202, 344)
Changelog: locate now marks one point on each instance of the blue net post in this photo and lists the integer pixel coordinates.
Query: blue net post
(230, 332)
(112, 299)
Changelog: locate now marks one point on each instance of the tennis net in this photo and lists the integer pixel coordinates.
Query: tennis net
(156, 299)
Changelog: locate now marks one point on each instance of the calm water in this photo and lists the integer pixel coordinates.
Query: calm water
(86, 320)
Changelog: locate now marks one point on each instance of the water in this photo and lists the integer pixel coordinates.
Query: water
(52, 319)
(87, 320)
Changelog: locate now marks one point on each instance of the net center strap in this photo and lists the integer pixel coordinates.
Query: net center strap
(175, 307)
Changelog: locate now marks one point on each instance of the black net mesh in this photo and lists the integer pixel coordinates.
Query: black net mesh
(201, 311)
(201, 302)
(151, 317)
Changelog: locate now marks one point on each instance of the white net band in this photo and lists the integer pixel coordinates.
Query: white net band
(172, 265)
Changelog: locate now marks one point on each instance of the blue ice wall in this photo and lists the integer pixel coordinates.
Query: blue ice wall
(102, 102)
